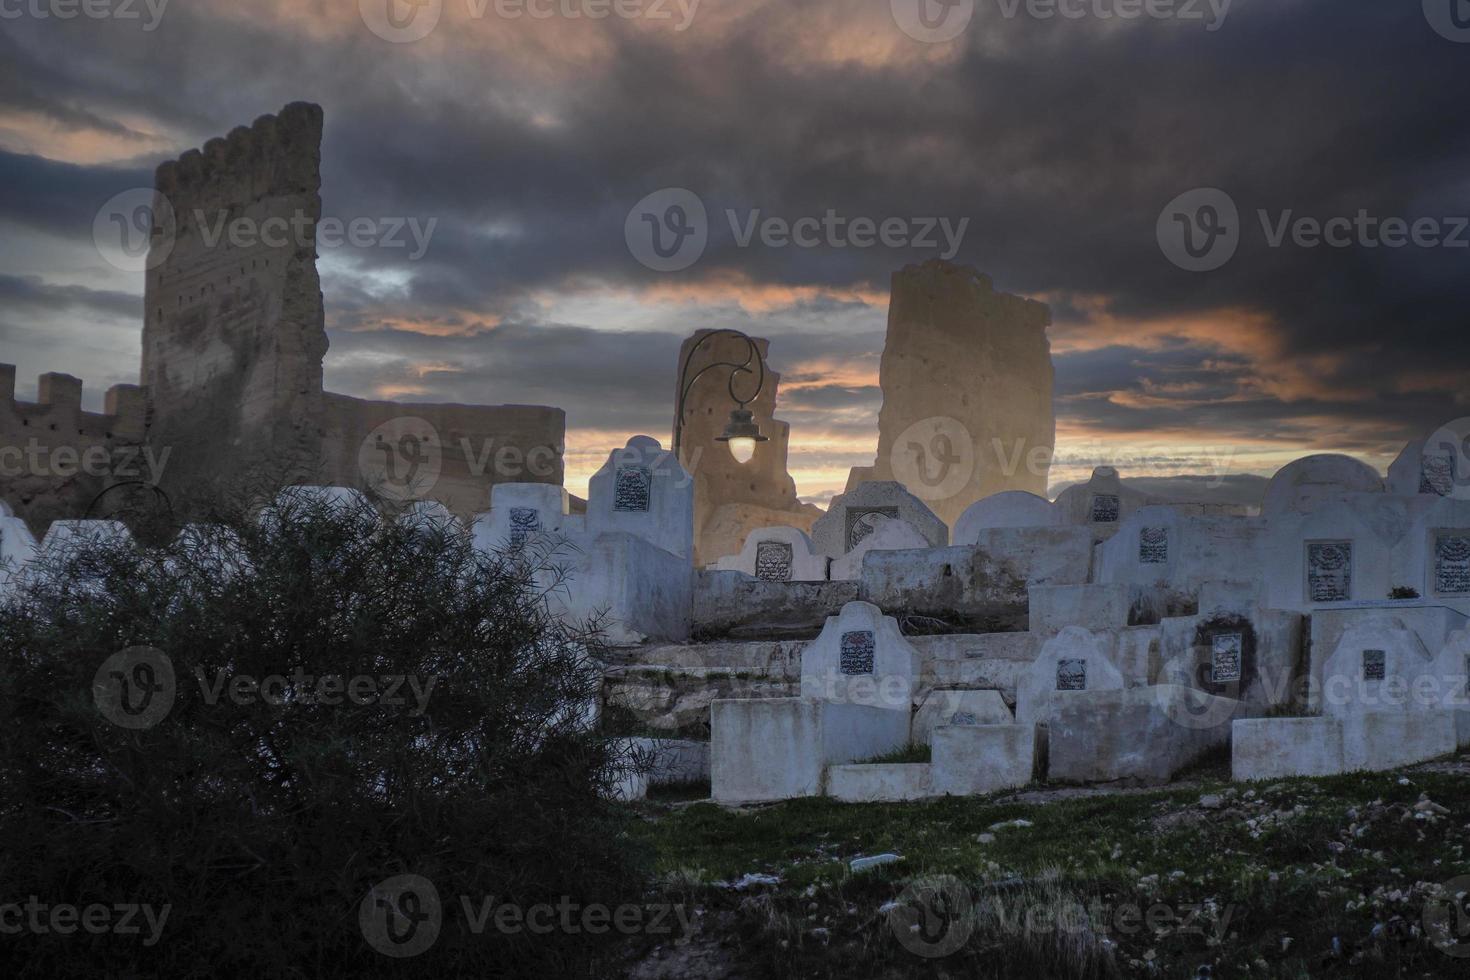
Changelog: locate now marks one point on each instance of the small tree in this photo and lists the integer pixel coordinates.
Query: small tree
(351, 699)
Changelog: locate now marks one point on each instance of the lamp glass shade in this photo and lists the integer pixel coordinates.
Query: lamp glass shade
(742, 448)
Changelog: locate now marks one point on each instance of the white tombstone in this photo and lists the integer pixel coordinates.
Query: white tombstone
(17, 547)
(861, 658)
(642, 490)
(299, 498)
(777, 554)
(427, 514)
(852, 516)
(520, 514)
(1011, 508)
(1303, 485)
(63, 536)
(1074, 660)
(888, 534)
(1340, 551)
(1102, 503)
(1147, 550)
(1434, 466)
(944, 707)
(213, 548)
(1433, 556)
(1378, 665)
(1451, 671)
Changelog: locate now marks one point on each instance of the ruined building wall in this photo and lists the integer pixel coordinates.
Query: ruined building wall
(234, 332)
(475, 446)
(235, 336)
(55, 458)
(967, 390)
(730, 498)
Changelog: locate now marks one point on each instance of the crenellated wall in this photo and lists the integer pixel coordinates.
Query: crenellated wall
(55, 458)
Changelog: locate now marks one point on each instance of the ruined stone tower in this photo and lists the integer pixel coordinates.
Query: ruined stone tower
(967, 390)
(234, 333)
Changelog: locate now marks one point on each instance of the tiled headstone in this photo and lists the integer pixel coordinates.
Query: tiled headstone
(1330, 571)
(857, 652)
(1105, 508)
(1452, 564)
(524, 522)
(773, 561)
(1437, 472)
(862, 520)
(778, 553)
(1075, 660)
(643, 491)
(632, 490)
(1375, 665)
(861, 658)
(852, 517)
(1071, 675)
(1225, 658)
(1153, 545)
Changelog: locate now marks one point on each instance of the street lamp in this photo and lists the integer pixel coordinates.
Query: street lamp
(741, 432)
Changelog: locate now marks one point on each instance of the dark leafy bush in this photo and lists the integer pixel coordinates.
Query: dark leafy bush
(263, 823)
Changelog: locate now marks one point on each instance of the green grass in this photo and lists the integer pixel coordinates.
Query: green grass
(1264, 899)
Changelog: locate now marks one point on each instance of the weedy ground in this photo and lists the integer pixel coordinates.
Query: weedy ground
(1285, 878)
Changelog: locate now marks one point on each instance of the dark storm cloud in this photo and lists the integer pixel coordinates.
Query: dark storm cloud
(1059, 141)
(30, 292)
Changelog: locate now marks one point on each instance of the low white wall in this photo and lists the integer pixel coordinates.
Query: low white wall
(973, 759)
(1144, 734)
(763, 750)
(879, 783)
(1273, 748)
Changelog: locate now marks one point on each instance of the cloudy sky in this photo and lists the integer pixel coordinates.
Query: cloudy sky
(1063, 143)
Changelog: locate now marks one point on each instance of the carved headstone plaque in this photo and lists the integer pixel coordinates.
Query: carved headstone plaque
(1153, 545)
(1452, 564)
(1374, 665)
(773, 561)
(524, 522)
(1225, 658)
(1071, 675)
(857, 652)
(963, 718)
(1105, 508)
(1330, 571)
(862, 520)
(632, 489)
(1437, 472)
